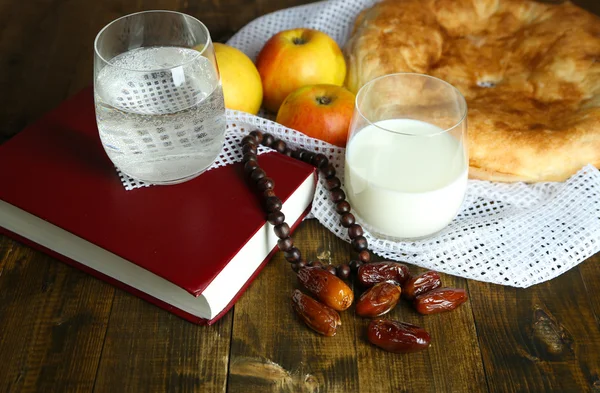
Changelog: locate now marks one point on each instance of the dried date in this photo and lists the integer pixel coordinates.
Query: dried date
(370, 274)
(320, 318)
(378, 300)
(326, 287)
(397, 337)
(421, 284)
(440, 300)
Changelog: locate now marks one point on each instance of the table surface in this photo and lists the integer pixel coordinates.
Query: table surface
(62, 330)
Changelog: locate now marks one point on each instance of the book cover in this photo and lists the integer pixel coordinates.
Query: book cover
(61, 193)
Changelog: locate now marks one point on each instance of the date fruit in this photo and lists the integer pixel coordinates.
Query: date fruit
(317, 316)
(326, 287)
(379, 299)
(370, 274)
(418, 285)
(440, 300)
(397, 337)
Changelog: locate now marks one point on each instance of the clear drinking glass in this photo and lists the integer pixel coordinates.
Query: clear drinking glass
(159, 102)
(406, 156)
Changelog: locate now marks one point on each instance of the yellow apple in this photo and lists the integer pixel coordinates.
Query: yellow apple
(242, 87)
(319, 111)
(295, 58)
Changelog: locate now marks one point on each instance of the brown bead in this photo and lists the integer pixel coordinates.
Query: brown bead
(354, 231)
(343, 271)
(249, 166)
(249, 157)
(328, 171)
(257, 174)
(354, 265)
(268, 140)
(364, 256)
(315, 264)
(342, 207)
(288, 152)
(276, 218)
(292, 255)
(320, 161)
(273, 204)
(360, 243)
(333, 182)
(298, 265)
(268, 193)
(282, 230)
(257, 135)
(307, 156)
(266, 183)
(280, 146)
(297, 153)
(249, 148)
(285, 244)
(337, 195)
(347, 220)
(249, 140)
(331, 269)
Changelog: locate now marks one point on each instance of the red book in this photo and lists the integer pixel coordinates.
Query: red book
(191, 248)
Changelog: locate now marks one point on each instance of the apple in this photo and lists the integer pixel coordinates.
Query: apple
(319, 111)
(295, 58)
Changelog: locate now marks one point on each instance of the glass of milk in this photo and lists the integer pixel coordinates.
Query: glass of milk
(406, 157)
(159, 103)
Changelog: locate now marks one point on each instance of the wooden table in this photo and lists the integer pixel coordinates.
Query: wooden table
(62, 330)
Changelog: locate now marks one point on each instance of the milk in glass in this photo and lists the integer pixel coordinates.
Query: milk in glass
(405, 178)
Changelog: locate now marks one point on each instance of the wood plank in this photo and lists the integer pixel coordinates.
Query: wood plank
(42, 51)
(452, 363)
(543, 338)
(590, 5)
(53, 321)
(97, 14)
(272, 350)
(590, 274)
(50, 50)
(7, 247)
(224, 17)
(150, 350)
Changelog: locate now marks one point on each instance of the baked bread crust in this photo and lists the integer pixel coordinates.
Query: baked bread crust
(530, 73)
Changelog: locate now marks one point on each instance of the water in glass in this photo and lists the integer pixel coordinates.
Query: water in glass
(160, 113)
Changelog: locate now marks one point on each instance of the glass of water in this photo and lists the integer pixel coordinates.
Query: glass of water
(159, 102)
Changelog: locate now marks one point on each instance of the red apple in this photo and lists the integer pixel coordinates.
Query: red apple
(295, 58)
(319, 111)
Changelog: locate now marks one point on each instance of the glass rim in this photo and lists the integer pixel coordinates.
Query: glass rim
(461, 98)
(108, 63)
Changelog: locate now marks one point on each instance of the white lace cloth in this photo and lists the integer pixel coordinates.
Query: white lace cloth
(510, 234)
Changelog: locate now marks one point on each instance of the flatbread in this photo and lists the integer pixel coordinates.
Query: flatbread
(530, 73)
